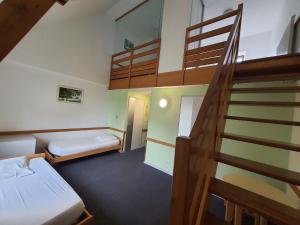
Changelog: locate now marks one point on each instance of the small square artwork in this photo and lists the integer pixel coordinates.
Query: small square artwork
(128, 44)
(72, 95)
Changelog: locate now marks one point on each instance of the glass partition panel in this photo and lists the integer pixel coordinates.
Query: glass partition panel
(139, 26)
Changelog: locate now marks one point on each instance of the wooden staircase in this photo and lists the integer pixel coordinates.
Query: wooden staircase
(17, 17)
(198, 155)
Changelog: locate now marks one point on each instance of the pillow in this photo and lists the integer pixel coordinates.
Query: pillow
(15, 168)
(106, 137)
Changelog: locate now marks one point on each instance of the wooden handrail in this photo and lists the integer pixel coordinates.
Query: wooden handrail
(295, 189)
(214, 83)
(213, 20)
(22, 132)
(137, 47)
(205, 137)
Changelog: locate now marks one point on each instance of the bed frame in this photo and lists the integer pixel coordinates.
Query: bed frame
(86, 218)
(53, 159)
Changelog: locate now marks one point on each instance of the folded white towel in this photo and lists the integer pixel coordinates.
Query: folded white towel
(14, 168)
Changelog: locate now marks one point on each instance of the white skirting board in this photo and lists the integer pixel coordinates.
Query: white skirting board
(159, 168)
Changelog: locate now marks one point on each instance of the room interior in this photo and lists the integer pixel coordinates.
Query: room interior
(149, 112)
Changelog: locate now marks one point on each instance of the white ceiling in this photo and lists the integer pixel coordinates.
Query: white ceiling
(74, 9)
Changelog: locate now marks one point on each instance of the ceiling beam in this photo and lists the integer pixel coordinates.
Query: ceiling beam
(17, 17)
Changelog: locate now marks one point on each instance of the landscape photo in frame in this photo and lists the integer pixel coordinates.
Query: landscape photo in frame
(71, 95)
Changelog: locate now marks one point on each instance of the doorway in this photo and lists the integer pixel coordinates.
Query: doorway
(135, 124)
(189, 109)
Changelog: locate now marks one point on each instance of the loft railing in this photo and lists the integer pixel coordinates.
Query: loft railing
(194, 159)
(128, 67)
(205, 42)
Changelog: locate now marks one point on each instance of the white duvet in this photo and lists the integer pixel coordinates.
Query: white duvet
(65, 147)
(38, 196)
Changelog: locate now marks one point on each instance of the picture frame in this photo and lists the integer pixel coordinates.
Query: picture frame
(70, 95)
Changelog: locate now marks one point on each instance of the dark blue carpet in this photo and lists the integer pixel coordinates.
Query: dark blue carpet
(119, 189)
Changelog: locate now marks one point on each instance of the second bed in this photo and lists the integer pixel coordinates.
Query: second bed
(61, 150)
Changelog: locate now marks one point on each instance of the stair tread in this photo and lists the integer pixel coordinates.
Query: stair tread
(260, 120)
(264, 78)
(265, 103)
(210, 219)
(277, 64)
(260, 168)
(262, 141)
(266, 90)
(268, 208)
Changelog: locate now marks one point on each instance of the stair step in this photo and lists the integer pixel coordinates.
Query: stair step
(270, 65)
(266, 90)
(270, 209)
(259, 120)
(260, 168)
(262, 141)
(265, 103)
(210, 219)
(266, 78)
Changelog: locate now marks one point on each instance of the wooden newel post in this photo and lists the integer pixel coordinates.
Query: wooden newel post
(178, 208)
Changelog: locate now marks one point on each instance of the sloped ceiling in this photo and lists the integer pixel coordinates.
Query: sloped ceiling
(76, 9)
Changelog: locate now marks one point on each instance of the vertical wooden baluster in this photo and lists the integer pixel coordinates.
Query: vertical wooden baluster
(157, 63)
(186, 46)
(130, 67)
(111, 69)
(238, 217)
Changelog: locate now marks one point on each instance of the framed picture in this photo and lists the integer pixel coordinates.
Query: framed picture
(69, 94)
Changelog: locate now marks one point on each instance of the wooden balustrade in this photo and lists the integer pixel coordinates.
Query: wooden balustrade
(192, 177)
(201, 58)
(136, 68)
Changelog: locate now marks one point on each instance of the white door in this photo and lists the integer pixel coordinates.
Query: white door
(137, 138)
(190, 106)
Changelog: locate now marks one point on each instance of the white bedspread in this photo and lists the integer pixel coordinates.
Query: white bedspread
(43, 197)
(65, 147)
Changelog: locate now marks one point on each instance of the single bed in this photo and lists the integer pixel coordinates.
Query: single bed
(36, 194)
(67, 149)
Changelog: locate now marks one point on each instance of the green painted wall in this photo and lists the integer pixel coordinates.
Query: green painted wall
(271, 156)
(119, 102)
(163, 124)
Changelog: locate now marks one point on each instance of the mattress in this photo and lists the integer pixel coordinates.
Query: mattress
(41, 197)
(65, 147)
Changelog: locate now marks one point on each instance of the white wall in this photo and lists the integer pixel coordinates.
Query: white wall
(257, 46)
(176, 18)
(28, 99)
(257, 24)
(73, 52)
(81, 47)
(290, 7)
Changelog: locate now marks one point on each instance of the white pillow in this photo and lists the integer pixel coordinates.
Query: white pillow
(106, 137)
(14, 168)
